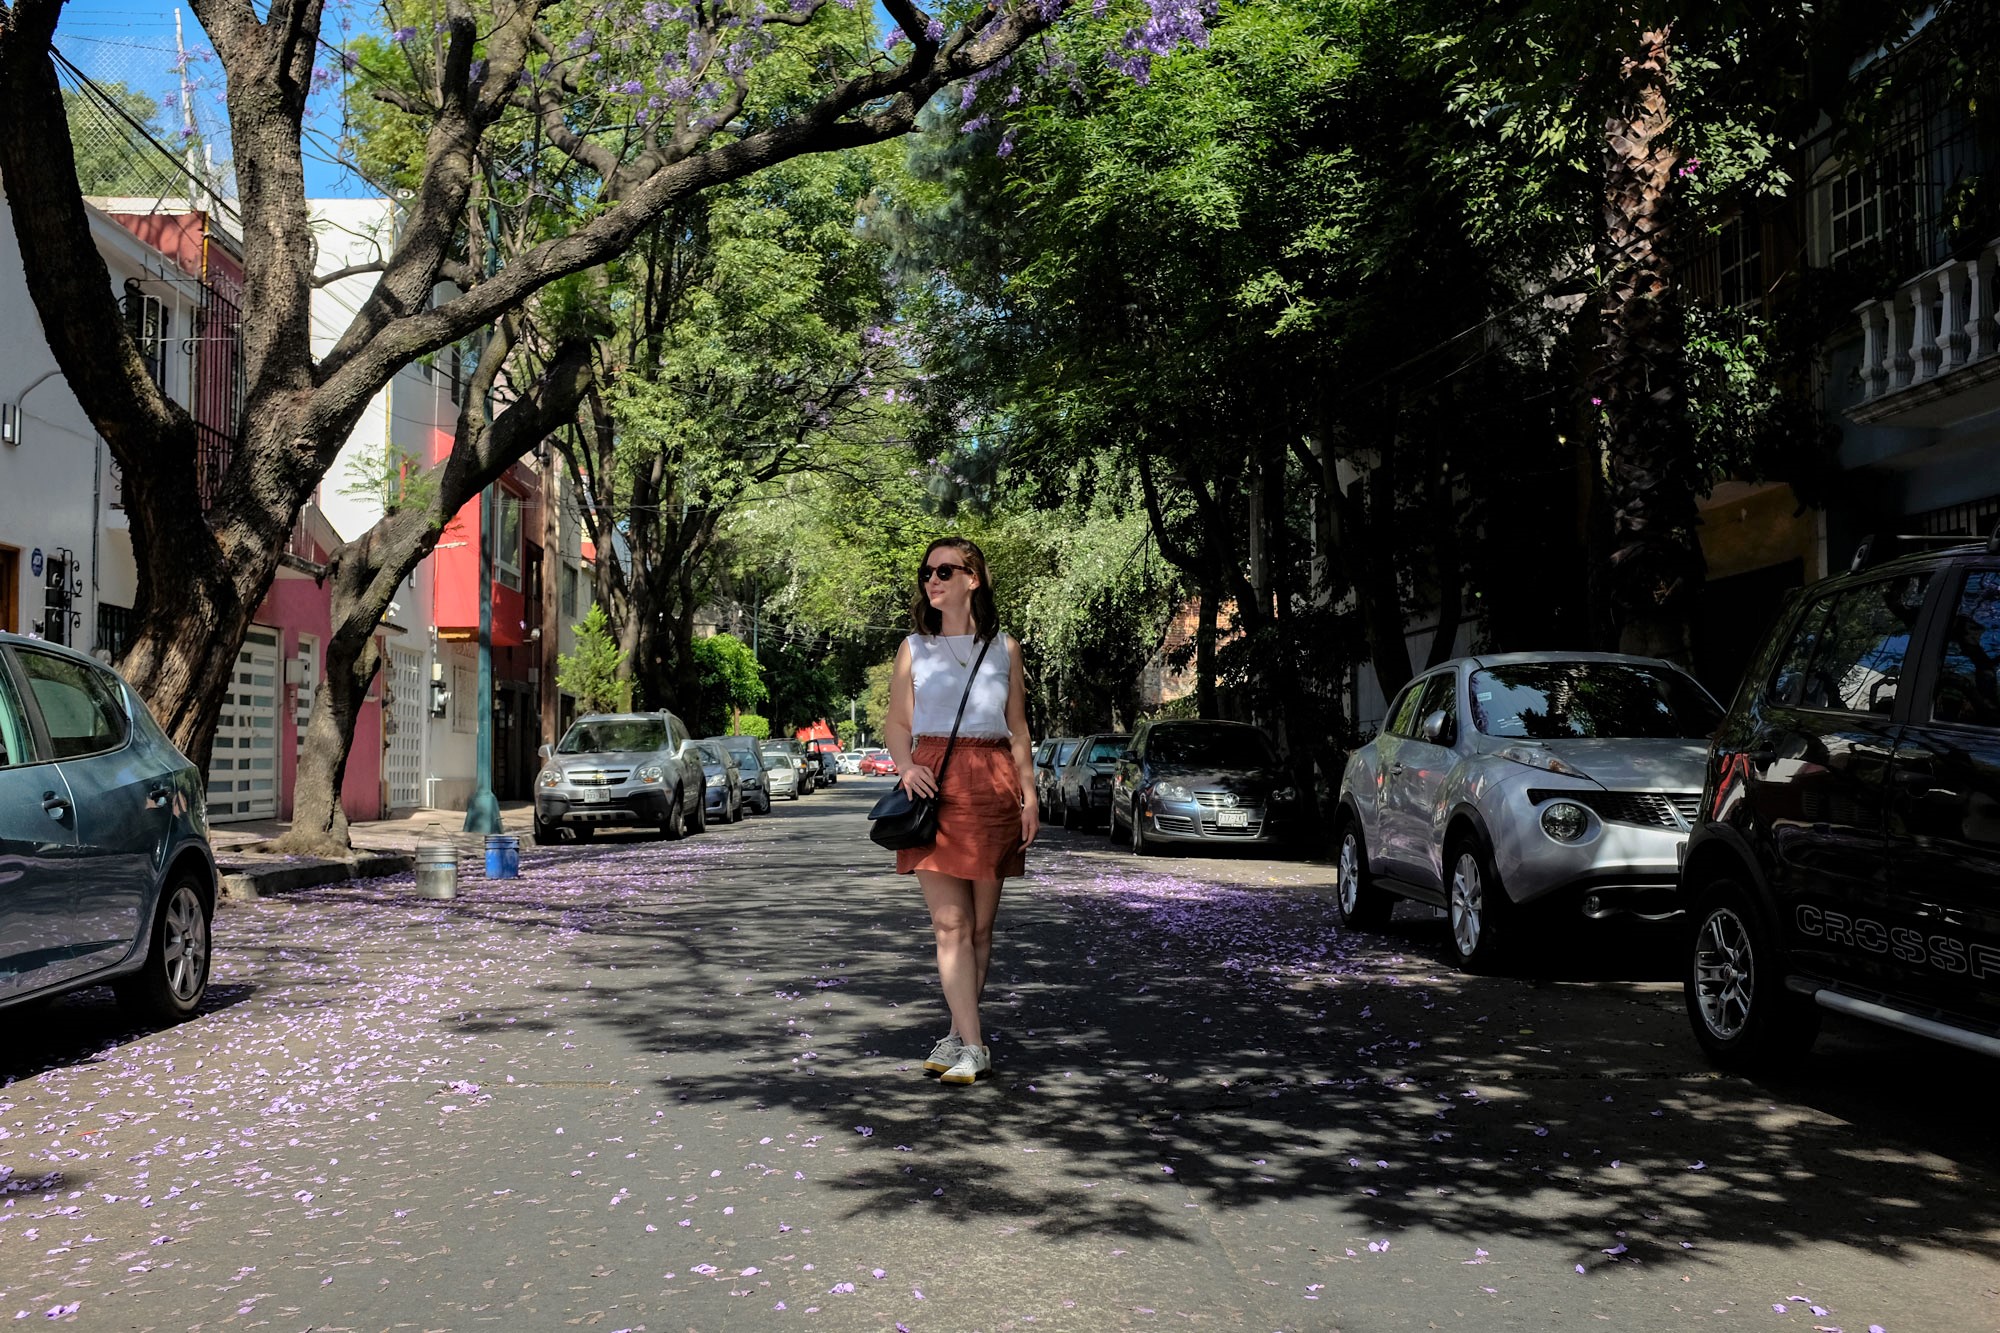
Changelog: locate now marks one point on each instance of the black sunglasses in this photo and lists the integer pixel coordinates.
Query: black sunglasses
(943, 572)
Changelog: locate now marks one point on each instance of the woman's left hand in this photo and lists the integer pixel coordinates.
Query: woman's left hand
(1031, 823)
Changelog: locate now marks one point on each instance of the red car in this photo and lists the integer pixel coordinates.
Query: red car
(878, 764)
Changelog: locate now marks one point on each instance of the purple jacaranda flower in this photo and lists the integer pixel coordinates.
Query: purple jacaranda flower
(632, 87)
(934, 31)
(892, 38)
(404, 36)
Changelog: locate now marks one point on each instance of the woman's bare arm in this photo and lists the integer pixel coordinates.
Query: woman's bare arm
(1022, 743)
(914, 777)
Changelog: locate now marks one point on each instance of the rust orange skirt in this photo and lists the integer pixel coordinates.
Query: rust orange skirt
(979, 814)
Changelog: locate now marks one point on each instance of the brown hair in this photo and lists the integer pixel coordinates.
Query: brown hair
(985, 612)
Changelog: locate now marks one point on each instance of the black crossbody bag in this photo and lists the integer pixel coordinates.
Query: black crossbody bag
(901, 820)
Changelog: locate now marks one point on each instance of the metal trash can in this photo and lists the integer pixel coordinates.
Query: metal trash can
(437, 870)
(503, 856)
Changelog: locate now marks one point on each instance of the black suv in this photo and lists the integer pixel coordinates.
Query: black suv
(1847, 852)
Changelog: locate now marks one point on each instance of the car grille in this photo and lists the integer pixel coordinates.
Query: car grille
(597, 777)
(1647, 809)
(1173, 823)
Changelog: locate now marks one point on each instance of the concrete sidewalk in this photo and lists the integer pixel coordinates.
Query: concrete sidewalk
(381, 847)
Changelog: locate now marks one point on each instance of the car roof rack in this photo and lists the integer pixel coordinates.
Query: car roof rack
(1864, 554)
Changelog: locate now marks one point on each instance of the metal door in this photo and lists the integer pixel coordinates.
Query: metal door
(243, 771)
(37, 853)
(403, 761)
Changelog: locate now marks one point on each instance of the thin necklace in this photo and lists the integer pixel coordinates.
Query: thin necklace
(962, 661)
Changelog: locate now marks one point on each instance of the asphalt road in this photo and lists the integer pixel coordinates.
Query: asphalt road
(654, 1086)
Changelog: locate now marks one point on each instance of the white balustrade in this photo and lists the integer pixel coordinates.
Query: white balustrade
(1936, 323)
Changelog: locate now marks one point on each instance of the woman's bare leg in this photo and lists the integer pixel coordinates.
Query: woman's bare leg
(985, 908)
(951, 900)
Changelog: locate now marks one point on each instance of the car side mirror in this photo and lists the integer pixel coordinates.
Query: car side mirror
(546, 751)
(1434, 727)
(1129, 757)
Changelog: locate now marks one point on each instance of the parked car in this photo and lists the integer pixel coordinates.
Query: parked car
(621, 770)
(1049, 757)
(1846, 851)
(1083, 785)
(878, 764)
(104, 854)
(722, 783)
(850, 763)
(827, 750)
(1199, 781)
(1514, 779)
(782, 771)
(748, 754)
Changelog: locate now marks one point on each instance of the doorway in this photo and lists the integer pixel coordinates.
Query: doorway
(10, 589)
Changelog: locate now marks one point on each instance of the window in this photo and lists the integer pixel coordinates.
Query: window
(114, 629)
(1065, 751)
(1209, 746)
(82, 706)
(1546, 701)
(1105, 750)
(507, 541)
(1968, 687)
(1740, 264)
(622, 736)
(569, 582)
(149, 322)
(1439, 695)
(1403, 714)
(1846, 654)
(1872, 200)
(17, 743)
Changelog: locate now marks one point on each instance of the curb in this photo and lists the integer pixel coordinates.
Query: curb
(247, 885)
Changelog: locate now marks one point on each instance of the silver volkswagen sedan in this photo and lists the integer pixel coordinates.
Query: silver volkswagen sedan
(1525, 778)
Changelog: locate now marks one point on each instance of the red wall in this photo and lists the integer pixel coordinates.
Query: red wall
(296, 605)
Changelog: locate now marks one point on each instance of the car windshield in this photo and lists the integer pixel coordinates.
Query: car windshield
(740, 751)
(612, 736)
(777, 754)
(1210, 747)
(1546, 701)
(1105, 750)
(1064, 750)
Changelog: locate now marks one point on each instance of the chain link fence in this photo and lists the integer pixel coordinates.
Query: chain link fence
(146, 121)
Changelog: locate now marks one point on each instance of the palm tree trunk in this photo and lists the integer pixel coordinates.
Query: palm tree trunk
(1656, 562)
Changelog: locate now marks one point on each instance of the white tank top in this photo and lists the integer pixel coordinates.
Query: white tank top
(939, 665)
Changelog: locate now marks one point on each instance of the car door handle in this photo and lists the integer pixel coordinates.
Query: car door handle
(158, 797)
(54, 806)
(1395, 768)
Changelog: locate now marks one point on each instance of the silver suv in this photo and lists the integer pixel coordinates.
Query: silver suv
(1518, 778)
(621, 770)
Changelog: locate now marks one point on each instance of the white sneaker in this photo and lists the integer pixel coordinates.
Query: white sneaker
(945, 1054)
(973, 1061)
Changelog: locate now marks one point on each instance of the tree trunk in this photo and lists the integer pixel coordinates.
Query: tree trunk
(1656, 563)
(1205, 700)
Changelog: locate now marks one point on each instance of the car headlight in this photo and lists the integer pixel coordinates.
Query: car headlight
(1565, 821)
(1536, 757)
(1172, 791)
(1285, 795)
(718, 779)
(651, 774)
(551, 777)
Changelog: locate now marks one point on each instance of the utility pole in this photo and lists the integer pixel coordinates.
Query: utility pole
(482, 812)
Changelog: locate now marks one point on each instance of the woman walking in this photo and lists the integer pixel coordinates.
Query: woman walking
(987, 813)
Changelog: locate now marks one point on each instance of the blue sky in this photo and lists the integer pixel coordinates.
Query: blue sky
(117, 41)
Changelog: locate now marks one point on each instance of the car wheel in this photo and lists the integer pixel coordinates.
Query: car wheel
(1362, 905)
(546, 833)
(1743, 1015)
(698, 821)
(1140, 846)
(1476, 906)
(175, 977)
(674, 827)
(1064, 816)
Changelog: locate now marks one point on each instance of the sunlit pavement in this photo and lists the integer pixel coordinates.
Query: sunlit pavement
(675, 1086)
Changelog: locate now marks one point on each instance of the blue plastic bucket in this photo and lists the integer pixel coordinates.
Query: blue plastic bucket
(503, 856)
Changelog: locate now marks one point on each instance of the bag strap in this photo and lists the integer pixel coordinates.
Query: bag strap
(945, 762)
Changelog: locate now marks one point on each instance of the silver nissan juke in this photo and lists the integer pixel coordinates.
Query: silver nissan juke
(1497, 782)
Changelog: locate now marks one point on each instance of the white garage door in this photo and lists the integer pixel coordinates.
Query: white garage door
(404, 759)
(243, 771)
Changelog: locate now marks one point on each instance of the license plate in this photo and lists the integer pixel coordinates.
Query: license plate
(596, 796)
(1232, 819)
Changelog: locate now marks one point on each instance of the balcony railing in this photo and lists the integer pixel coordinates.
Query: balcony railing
(1932, 338)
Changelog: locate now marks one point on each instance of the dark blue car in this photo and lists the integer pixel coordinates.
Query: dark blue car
(105, 869)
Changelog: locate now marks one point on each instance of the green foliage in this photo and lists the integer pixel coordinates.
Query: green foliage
(112, 157)
(750, 724)
(728, 679)
(396, 479)
(591, 673)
